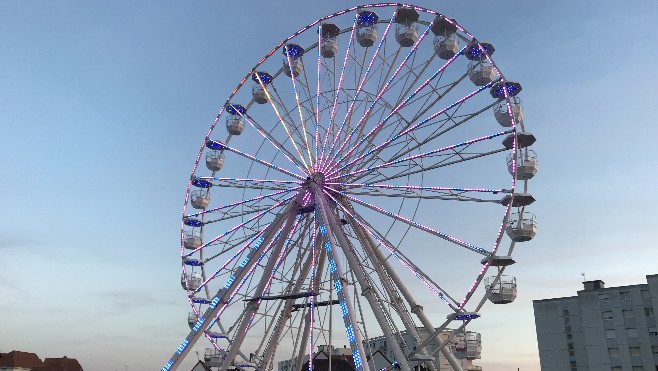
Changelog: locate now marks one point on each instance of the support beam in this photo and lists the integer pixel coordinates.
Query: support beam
(347, 309)
(415, 307)
(221, 299)
(252, 306)
(365, 283)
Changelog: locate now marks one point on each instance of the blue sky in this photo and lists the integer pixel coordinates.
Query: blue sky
(103, 106)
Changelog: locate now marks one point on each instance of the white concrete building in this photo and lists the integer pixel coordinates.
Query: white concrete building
(600, 329)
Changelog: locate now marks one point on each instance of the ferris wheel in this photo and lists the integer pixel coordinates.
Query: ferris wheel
(359, 182)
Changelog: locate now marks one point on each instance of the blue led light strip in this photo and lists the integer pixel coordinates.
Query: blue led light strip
(311, 345)
(336, 275)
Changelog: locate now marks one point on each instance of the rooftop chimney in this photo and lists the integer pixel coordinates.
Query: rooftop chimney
(594, 285)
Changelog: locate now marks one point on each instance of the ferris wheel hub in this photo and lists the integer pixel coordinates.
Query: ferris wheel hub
(317, 178)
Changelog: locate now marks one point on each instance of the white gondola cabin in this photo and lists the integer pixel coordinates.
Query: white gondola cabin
(446, 41)
(292, 60)
(467, 346)
(521, 227)
(192, 319)
(481, 72)
(366, 28)
(235, 119)
(192, 238)
(527, 165)
(214, 160)
(329, 40)
(200, 199)
(213, 357)
(258, 90)
(502, 291)
(502, 115)
(406, 28)
(191, 282)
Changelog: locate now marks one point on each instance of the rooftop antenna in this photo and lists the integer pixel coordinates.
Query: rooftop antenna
(583, 274)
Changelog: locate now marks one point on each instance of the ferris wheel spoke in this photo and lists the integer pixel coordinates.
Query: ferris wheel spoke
(379, 95)
(399, 106)
(360, 86)
(395, 251)
(270, 196)
(272, 140)
(230, 245)
(425, 192)
(459, 158)
(422, 155)
(417, 225)
(299, 110)
(338, 88)
(259, 184)
(410, 129)
(241, 225)
(249, 242)
(442, 130)
(262, 162)
(281, 119)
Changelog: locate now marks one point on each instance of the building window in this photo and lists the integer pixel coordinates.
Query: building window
(570, 345)
(653, 331)
(648, 312)
(625, 295)
(631, 333)
(604, 298)
(638, 368)
(616, 368)
(645, 294)
(627, 313)
(572, 353)
(635, 351)
(610, 334)
(613, 352)
(573, 364)
(607, 316)
(569, 336)
(654, 349)
(565, 312)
